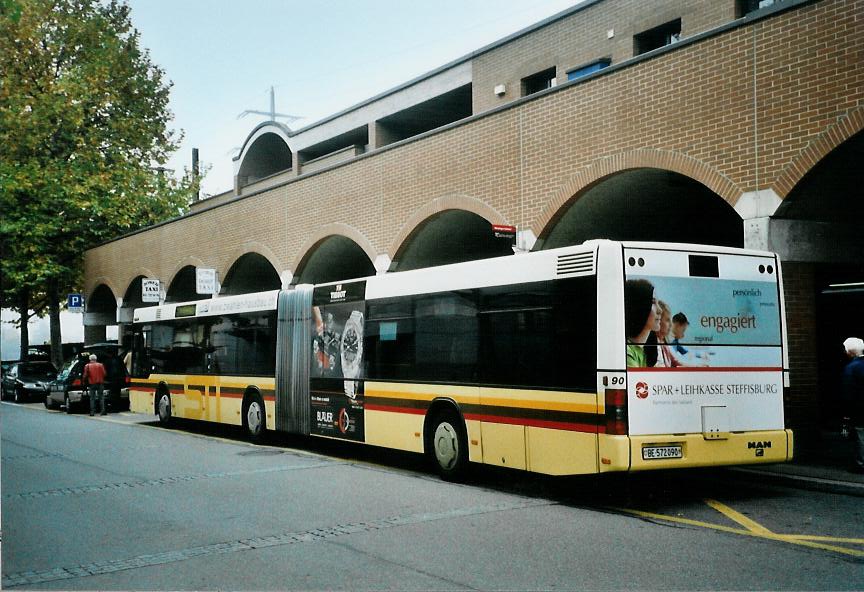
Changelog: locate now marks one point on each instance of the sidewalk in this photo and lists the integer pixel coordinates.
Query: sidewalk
(824, 469)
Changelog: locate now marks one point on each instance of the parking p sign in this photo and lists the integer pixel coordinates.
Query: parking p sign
(75, 302)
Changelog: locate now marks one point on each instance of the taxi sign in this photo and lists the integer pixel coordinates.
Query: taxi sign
(149, 290)
(205, 281)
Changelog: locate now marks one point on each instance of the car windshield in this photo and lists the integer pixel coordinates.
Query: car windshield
(67, 368)
(37, 369)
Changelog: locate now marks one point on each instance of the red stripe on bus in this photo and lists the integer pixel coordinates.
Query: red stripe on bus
(152, 389)
(390, 409)
(536, 423)
(708, 369)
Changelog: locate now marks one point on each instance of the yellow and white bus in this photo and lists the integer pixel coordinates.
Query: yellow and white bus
(606, 356)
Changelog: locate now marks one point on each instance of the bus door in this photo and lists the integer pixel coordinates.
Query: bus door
(705, 358)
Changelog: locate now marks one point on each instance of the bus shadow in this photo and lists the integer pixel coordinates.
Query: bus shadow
(651, 491)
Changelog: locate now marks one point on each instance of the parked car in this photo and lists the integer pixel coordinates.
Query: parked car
(26, 380)
(5, 365)
(67, 389)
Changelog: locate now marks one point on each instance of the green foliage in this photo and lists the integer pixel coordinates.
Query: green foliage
(84, 122)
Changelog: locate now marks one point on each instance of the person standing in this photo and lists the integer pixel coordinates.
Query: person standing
(94, 378)
(853, 397)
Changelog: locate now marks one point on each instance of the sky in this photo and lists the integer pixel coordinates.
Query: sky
(320, 56)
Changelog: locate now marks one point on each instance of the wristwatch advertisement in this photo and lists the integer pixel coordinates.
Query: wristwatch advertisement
(336, 396)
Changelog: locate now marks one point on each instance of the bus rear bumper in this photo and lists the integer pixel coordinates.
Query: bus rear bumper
(670, 451)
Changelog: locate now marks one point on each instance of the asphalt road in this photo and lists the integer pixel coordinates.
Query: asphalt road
(114, 503)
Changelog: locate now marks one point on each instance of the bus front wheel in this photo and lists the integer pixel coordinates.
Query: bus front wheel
(163, 407)
(448, 445)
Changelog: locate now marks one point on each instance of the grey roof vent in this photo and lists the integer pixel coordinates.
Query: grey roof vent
(576, 264)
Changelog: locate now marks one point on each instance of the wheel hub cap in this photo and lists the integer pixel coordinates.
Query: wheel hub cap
(164, 406)
(446, 445)
(253, 417)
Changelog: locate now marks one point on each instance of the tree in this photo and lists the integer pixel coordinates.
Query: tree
(83, 126)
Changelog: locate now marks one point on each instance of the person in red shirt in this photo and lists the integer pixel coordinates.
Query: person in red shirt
(94, 378)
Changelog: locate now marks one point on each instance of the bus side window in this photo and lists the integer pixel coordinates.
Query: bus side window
(388, 341)
(540, 335)
(447, 337)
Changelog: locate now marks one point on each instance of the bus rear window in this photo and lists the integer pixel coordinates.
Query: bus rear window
(685, 309)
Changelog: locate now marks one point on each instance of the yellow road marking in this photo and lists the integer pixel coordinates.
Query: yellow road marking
(827, 539)
(738, 517)
(759, 532)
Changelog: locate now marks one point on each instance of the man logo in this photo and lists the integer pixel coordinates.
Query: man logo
(642, 390)
(759, 447)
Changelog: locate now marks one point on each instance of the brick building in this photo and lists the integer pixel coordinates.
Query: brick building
(734, 122)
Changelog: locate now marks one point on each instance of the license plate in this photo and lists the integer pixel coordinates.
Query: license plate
(660, 452)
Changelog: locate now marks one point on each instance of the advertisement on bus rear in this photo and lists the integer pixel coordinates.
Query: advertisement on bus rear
(336, 393)
(703, 343)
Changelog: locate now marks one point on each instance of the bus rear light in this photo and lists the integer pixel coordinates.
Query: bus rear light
(616, 412)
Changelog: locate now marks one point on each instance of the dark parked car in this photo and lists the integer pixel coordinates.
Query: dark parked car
(68, 390)
(26, 380)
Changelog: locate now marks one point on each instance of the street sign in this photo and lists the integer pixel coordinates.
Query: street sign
(75, 302)
(205, 281)
(505, 231)
(150, 290)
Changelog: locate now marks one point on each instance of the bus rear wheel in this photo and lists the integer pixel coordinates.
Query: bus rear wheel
(254, 418)
(448, 445)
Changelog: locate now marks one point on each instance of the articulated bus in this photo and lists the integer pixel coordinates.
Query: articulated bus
(606, 356)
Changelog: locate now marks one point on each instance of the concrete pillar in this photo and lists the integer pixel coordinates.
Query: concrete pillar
(285, 278)
(94, 334)
(380, 136)
(525, 241)
(755, 209)
(382, 264)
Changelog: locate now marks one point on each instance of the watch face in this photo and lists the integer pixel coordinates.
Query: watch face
(349, 347)
(352, 346)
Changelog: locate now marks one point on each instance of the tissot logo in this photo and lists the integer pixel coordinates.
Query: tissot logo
(338, 293)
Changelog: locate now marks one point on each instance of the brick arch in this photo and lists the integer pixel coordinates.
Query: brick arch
(454, 201)
(186, 261)
(140, 272)
(837, 133)
(101, 281)
(328, 230)
(251, 247)
(643, 158)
